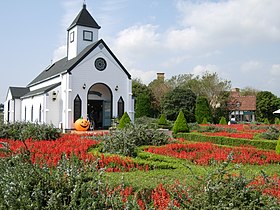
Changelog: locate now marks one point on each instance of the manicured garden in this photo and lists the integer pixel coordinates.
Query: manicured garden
(138, 167)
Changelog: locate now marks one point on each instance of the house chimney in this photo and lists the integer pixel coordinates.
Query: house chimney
(160, 76)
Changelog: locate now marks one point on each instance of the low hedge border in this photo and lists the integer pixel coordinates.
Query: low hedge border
(228, 141)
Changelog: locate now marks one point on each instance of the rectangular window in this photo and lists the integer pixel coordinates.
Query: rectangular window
(87, 35)
(72, 36)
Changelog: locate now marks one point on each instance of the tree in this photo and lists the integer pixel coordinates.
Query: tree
(143, 97)
(179, 80)
(267, 103)
(143, 105)
(202, 110)
(180, 125)
(180, 99)
(124, 121)
(249, 91)
(159, 89)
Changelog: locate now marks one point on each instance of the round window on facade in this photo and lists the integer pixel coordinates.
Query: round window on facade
(100, 64)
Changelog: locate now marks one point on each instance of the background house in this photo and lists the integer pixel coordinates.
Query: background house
(243, 108)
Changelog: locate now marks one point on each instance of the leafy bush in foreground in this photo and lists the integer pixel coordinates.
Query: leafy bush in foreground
(223, 188)
(125, 141)
(26, 130)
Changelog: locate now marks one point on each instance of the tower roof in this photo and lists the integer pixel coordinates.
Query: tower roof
(84, 19)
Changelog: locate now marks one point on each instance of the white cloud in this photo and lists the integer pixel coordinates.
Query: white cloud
(137, 41)
(214, 23)
(251, 66)
(145, 76)
(59, 53)
(201, 69)
(275, 70)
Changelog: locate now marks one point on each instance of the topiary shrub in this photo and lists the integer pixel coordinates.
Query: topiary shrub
(204, 121)
(266, 121)
(124, 121)
(180, 124)
(278, 146)
(277, 121)
(223, 121)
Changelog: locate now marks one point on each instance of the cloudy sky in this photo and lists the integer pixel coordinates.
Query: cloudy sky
(238, 39)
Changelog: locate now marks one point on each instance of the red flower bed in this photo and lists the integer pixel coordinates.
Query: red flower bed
(50, 152)
(205, 153)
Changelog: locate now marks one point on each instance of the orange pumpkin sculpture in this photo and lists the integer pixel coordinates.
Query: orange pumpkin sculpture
(81, 124)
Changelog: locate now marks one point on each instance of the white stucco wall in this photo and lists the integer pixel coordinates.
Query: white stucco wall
(79, 43)
(112, 76)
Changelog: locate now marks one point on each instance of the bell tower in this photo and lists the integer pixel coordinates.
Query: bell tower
(82, 32)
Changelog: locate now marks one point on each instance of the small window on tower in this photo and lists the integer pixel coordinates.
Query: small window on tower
(72, 36)
(88, 35)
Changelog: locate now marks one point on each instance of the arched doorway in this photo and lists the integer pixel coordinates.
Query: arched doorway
(99, 106)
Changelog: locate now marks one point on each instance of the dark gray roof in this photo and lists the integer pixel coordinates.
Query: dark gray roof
(17, 92)
(41, 90)
(84, 19)
(64, 65)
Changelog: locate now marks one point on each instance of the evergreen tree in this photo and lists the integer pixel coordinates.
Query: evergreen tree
(143, 105)
(180, 125)
(202, 110)
(124, 121)
(223, 121)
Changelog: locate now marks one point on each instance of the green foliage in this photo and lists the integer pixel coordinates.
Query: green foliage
(271, 133)
(204, 121)
(223, 121)
(225, 187)
(278, 146)
(73, 184)
(202, 111)
(228, 141)
(267, 103)
(180, 125)
(26, 130)
(266, 121)
(162, 120)
(125, 141)
(277, 121)
(180, 99)
(124, 121)
(143, 105)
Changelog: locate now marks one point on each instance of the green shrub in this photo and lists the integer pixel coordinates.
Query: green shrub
(124, 121)
(278, 146)
(204, 121)
(228, 141)
(73, 184)
(125, 141)
(180, 125)
(162, 120)
(223, 121)
(266, 121)
(272, 133)
(225, 187)
(26, 130)
(277, 121)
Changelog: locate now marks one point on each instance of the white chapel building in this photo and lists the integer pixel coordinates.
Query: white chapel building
(89, 82)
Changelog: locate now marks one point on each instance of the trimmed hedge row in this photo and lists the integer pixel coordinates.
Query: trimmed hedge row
(228, 141)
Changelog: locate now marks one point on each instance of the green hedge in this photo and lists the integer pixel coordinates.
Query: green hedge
(228, 141)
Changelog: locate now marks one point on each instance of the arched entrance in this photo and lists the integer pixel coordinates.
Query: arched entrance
(99, 105)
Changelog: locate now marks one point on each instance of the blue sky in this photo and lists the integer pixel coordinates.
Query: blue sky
(238, 39)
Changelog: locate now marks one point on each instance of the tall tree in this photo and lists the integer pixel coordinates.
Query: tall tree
(159, 89)
(267, 103)
(143, 97)
(180, 99)
(202, 110)
(249, 91)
